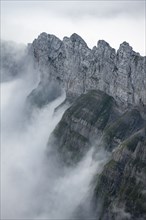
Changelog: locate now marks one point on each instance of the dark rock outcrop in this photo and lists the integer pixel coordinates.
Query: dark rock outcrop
(127, 124)
(82, 123)
(120, 192)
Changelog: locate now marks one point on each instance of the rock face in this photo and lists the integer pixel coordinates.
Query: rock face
(121, 188)
(125, 125)
(119, 192)
(78, 69)
(82, 123)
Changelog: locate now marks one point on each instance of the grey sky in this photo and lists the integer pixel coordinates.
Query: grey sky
(113, 21)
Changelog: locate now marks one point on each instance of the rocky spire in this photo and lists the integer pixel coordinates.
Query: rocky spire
(76, 38)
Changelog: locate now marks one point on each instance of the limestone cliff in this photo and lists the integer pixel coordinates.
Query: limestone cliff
(77, 68)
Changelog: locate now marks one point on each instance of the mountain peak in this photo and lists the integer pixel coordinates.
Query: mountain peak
(45, 36)
(76, 38)
(102, 43)
(125, 45)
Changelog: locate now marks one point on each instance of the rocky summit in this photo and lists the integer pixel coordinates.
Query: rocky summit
(107, 95)
(73, 66)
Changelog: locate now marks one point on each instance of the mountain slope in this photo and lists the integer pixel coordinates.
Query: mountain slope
(82, 123)
(95, 120)
(121, 186)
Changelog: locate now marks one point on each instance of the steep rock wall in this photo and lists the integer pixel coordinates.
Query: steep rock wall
(78, 69)
(120, 189)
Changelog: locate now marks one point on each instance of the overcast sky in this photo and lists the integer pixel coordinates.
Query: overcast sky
(113, 21)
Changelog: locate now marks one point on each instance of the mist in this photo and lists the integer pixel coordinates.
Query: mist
(34, 184)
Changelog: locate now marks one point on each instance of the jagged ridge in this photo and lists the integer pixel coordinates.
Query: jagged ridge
(78, 69)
